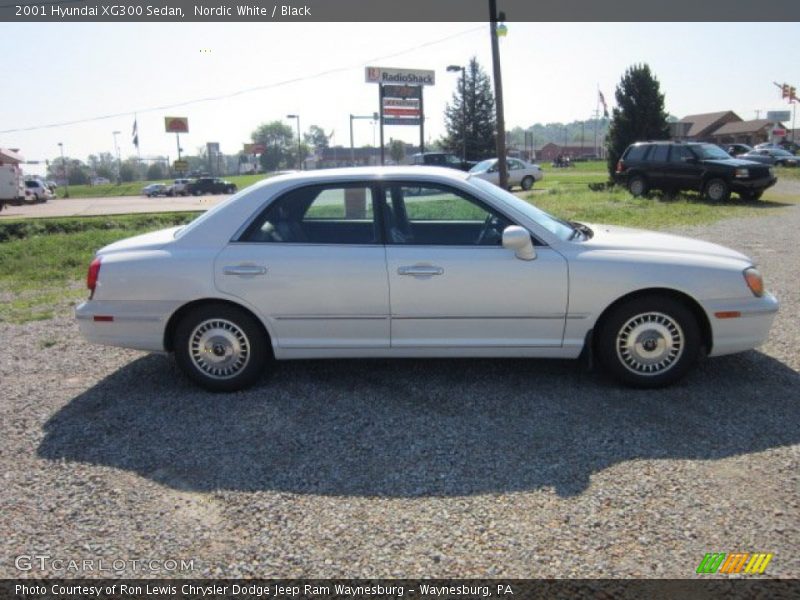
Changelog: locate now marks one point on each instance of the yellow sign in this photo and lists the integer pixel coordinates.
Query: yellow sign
(176, 124)
(181, 165)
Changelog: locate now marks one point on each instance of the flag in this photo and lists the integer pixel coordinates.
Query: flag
(135, 134)
(603, 102)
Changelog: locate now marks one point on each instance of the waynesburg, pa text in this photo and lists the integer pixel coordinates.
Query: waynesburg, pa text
(274, 590)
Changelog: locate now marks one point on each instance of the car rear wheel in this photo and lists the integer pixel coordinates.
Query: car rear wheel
(637, 185)
(527, 182)
(221, 347)
(648, 342)
(717, 190)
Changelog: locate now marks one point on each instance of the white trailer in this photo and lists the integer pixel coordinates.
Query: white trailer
(12, 185)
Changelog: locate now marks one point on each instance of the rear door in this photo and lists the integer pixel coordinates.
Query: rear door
(314, 265)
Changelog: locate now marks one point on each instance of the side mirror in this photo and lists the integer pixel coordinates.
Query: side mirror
(519, 240)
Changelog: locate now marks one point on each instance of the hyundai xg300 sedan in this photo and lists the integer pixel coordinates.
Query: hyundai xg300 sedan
(417, 262)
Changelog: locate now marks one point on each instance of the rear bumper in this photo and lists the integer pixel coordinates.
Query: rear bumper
(746, 331)
(137, 325)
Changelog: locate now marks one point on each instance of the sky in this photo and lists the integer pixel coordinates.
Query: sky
(551, 73)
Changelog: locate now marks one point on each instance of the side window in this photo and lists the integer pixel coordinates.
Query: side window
(680, 154)
(636, 152)
(441, 216)
(515, 165)
(659, 153)
(317, 215)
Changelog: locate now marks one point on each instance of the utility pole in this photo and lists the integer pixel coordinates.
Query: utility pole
(502, 166)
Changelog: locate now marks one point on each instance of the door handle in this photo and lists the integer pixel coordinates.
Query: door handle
(244, 270)
(420, 270)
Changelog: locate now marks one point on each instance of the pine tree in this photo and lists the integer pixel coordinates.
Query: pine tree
(639, 114)
(480, 116)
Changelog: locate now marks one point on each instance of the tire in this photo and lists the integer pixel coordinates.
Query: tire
(527, 183)
(221, 347)
(648, 342)
(717, 190)
(637, 186)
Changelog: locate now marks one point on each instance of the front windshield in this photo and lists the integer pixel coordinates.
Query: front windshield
(554, 225)
(710, 151)
(482, 166)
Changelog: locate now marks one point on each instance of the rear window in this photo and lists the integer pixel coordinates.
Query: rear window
(636, 152)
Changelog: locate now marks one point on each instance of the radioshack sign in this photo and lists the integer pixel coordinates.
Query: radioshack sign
(383, 75)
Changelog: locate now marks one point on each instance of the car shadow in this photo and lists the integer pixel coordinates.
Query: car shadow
(410, 428)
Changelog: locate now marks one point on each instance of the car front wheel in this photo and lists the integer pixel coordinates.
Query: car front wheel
(717, 190)
(221, 347)
(648, 342)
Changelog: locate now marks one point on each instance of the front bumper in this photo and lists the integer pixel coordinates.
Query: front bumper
(746, 331)
(753, 185)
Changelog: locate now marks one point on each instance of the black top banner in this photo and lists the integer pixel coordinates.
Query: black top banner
(399, 10)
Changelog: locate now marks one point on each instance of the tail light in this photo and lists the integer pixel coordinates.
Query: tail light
(92, 275)
(620, 166)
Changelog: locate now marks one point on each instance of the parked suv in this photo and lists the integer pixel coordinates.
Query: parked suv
(705, 168)
(211, 185)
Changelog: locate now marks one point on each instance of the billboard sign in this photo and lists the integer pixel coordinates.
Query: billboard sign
(402, 104)
(176, 124)
(181, 165)
(777, 116)
(386, 75)
(255, 148)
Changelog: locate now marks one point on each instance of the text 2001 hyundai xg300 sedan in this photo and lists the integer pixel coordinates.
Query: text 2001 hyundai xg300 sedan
(417, 262)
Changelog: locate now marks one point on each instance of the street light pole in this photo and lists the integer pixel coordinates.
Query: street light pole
(299, 161)
(119, 161)
(453, 69)
(64, 170)
(502, 166)
(374, 117)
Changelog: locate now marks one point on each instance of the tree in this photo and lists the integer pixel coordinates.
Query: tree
(478, 100)
(397, 150)
(639, 114)
(280, 143)
(103, 165)
(155, 171)
(316, 138)
(77, 172)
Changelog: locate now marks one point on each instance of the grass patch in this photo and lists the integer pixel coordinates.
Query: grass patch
(43, 262)
(618, 207)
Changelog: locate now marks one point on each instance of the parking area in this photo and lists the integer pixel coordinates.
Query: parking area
(437, 468)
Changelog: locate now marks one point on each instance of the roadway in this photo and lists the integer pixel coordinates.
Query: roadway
(82, 207)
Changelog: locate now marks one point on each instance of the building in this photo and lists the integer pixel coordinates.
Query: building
(551, 151)
(744, 132)
(697, 128)
(725, 127)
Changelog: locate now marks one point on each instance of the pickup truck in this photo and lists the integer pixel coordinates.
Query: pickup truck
(210, 185)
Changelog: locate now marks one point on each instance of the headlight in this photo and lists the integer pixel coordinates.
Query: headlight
(742, 173)
(754, 281)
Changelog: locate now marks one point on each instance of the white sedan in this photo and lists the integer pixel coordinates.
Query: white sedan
(417, 262)
(519, 172)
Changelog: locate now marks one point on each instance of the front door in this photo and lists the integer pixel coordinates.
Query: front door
(314, 265)
(453, 285)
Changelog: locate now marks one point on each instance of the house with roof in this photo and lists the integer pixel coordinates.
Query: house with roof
(724, 127)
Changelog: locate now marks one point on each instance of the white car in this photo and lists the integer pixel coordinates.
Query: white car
(37, 191)
(417, 262)
(520, 173)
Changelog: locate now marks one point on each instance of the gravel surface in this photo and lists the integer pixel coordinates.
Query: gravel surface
(499, 468)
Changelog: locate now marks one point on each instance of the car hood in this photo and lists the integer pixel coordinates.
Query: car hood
(146, 241)
(731, 162)
(625, 239)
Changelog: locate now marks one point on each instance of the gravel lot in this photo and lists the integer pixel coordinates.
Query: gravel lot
(501, 468)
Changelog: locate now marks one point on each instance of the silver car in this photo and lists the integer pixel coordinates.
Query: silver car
(520, 173)
(417, 262)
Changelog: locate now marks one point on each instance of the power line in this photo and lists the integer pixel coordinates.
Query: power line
(258, 88)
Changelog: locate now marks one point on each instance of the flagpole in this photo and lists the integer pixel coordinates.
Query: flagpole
(596, 118)
(138, 150)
